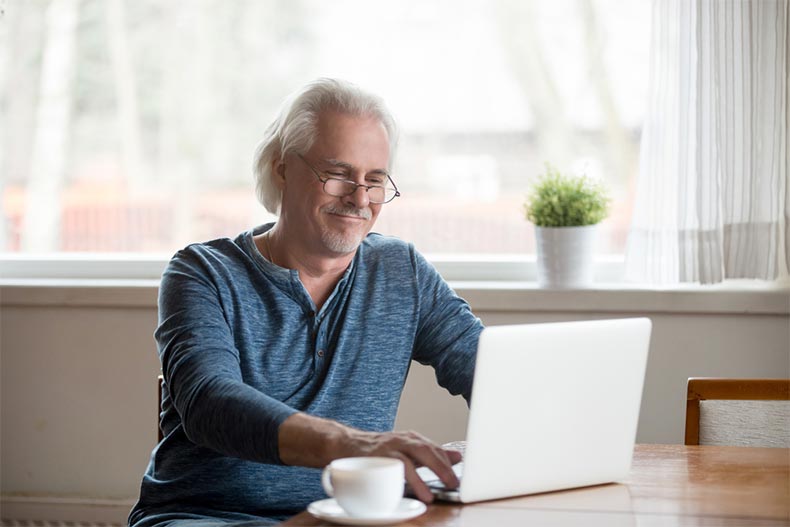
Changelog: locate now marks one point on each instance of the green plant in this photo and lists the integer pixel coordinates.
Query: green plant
(558, 200)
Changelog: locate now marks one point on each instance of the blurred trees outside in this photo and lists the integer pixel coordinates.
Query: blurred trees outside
(130, 125)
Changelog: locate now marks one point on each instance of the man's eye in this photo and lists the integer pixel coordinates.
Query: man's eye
(339, 175)
(377, 182)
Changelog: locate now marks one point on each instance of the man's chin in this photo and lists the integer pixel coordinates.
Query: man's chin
(341, 244)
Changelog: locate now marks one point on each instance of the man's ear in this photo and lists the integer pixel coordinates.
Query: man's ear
(278, 167)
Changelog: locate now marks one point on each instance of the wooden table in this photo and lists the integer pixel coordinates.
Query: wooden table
(668, 485)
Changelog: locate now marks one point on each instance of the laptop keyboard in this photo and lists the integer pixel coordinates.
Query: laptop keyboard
(436, 484)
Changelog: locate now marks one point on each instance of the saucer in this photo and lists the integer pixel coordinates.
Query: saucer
(330, 511)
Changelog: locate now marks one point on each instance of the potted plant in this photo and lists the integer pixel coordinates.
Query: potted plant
(565, 210)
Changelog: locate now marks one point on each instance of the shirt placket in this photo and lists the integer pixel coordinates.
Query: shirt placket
(318, 324)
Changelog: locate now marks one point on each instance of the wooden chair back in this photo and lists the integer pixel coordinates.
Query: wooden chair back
(160, 381)
(752, 412)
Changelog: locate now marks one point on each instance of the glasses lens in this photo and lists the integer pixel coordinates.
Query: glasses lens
(377, 194)
(341, 187)
(385, 195)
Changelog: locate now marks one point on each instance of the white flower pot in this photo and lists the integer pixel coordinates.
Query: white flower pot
(565, 256)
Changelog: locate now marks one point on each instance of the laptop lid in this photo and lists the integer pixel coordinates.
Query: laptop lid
(554, 406)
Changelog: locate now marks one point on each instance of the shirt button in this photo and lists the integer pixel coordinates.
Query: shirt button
(320, 353)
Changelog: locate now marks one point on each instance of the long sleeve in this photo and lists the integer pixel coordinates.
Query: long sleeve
(447, 332)
(201, 367)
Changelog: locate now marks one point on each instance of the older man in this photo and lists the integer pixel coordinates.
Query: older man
(288, 346)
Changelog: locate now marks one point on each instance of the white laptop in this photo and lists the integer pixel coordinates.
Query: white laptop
(554, 406)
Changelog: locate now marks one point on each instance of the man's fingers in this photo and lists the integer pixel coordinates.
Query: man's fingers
(453, 456)
(414, 450)
(436, 459)
(418, 486)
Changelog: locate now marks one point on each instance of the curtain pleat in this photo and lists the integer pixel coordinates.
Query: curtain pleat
(712, 197)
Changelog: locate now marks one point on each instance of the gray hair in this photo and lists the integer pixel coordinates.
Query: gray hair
(296, 127)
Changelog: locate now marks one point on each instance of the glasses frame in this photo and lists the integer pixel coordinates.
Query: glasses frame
(326, 178)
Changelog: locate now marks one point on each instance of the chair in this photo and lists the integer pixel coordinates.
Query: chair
(160, 381)
(738, 412)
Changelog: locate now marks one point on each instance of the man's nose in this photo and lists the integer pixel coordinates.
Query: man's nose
(359, 198)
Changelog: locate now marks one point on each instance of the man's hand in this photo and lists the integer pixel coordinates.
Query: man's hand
(414, 450)
(314, 442)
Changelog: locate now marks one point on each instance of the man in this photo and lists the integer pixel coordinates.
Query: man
(288, 347)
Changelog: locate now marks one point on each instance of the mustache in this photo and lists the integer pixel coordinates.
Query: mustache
(348, 211)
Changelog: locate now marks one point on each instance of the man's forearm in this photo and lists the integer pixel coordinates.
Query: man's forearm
(309, 441)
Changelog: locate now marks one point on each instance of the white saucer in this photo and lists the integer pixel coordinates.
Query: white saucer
(330, 511)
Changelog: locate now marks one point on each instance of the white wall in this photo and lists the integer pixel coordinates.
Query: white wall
(78, 369)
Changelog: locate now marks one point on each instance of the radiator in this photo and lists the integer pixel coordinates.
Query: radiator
(51, 523)
(55, 511)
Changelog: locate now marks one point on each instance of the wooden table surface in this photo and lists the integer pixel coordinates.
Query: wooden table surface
(668, 485)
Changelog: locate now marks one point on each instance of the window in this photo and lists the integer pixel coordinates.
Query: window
(131, 125)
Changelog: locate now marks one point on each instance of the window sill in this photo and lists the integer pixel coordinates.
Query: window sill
(735, 297)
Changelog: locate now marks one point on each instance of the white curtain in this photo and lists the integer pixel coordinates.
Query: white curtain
(713, 200)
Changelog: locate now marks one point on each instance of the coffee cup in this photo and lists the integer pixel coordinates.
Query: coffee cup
(368, 487)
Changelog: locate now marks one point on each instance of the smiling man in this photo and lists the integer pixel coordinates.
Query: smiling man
(288, 347)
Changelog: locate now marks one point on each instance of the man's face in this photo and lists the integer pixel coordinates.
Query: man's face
(354, 148)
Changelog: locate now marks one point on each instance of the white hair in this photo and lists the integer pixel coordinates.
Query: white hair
(296, 127)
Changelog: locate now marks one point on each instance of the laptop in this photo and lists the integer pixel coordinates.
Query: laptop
(554, 406)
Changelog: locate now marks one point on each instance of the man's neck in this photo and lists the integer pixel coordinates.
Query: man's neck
(319, 271)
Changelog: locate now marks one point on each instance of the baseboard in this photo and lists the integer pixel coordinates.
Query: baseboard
(53, 511)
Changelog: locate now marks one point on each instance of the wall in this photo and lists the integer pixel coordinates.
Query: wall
(78, 370)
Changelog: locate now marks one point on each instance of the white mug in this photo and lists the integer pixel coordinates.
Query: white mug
(366, 487)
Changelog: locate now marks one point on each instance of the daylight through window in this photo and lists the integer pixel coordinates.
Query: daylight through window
(131, 125)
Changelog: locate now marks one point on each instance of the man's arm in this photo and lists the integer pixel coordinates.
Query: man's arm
(448, 331)
(202, 366)
(310, 441)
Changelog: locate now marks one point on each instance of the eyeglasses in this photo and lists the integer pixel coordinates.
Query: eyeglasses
(341, 187)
